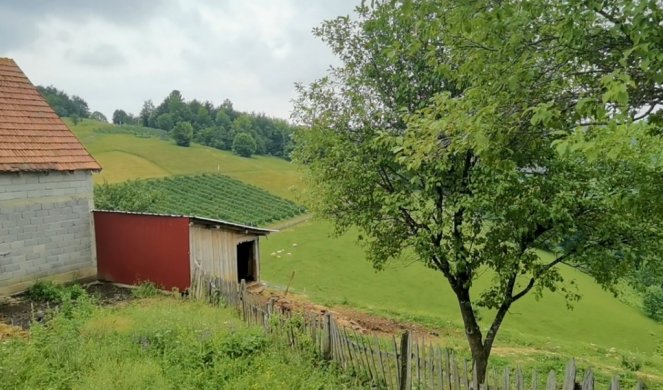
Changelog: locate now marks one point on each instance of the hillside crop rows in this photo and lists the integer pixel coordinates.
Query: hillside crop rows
(220, 197)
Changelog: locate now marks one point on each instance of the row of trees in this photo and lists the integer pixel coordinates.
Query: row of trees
(215, 126)
(64, 105)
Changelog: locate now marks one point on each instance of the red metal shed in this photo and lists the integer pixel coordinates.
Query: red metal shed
(171, 250)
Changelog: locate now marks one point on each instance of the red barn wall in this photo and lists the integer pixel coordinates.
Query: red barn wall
(132, 248)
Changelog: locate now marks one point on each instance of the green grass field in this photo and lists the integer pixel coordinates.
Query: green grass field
(601, 330)
(156, 343)
(125, 156)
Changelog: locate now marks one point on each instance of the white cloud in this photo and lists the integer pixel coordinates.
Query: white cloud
(251, 52)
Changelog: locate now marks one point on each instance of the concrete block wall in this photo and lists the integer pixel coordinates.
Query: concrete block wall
(45, 228)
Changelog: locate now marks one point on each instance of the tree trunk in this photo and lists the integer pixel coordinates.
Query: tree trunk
(473, 334)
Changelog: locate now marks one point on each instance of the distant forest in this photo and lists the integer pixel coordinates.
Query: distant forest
(221, 127)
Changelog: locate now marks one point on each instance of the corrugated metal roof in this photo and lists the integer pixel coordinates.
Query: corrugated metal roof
(201, 220)
(32, 136)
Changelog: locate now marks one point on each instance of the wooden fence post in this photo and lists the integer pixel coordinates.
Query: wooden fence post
(588, 381)
(570, 376)
(406, 356)
(242, 295)
(614, 383)
(326, 334)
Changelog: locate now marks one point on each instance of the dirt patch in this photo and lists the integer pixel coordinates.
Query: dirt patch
(19, 311)
(356, 320)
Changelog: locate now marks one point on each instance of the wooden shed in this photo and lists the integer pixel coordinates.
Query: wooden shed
(171, 251)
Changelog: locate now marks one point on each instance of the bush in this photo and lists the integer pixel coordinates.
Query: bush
(145, 290)
(45, 291)
(127, 196)
(652, 303)
(244, 144)
(183, 133)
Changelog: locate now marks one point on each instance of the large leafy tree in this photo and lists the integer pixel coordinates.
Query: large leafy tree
(475, 133)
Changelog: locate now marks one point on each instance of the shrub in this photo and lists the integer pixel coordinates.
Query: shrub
(183, 133)
(45, 291)
(652, 303)
(127, 196)
(145, 290)
(238, 344)
(244, 145)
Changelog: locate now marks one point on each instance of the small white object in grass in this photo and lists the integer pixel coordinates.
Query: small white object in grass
(278, 257)
(273, 253)
(295, 244)
(288, 253)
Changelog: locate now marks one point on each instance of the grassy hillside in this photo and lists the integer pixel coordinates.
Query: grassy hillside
(609, 333)
(207, 195)
(158, 343)
(124, 156)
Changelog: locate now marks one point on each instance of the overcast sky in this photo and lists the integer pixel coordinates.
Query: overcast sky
(119, 53)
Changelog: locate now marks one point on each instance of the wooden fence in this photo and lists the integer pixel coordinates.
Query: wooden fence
(402, 363)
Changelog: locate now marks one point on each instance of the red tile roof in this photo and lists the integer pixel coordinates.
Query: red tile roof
(32, 136)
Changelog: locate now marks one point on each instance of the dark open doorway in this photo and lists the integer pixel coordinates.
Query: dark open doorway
(246, 261)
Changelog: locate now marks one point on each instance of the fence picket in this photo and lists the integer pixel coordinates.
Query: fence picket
(614, 383)
(570, 375)
(552, 381)
(588, 381)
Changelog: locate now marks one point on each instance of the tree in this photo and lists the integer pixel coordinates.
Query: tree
(146, 113)
(62, 104)
(165, 121)
(472, 135)
(97, 116)
(120, 117)
(244, 145)
(653, 303)
(183, 133)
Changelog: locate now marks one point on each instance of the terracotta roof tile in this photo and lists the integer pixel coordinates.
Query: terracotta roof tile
(32, 136)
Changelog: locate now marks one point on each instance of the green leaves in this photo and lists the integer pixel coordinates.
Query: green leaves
(473, 135)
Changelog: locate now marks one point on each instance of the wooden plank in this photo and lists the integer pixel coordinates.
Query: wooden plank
(614, 383)
(447, 362)
(456, 368)
(385, 372)
(398, 361)
(431, 365)
(640, 385)
(475, 377)
(507, 379)
(588, 380)
(326, 337)
(405, 352)
(417, 363)
(535, 380)
(440, 373)
(551, 384)
(570, 376)
(520, 382)
(466, 379)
